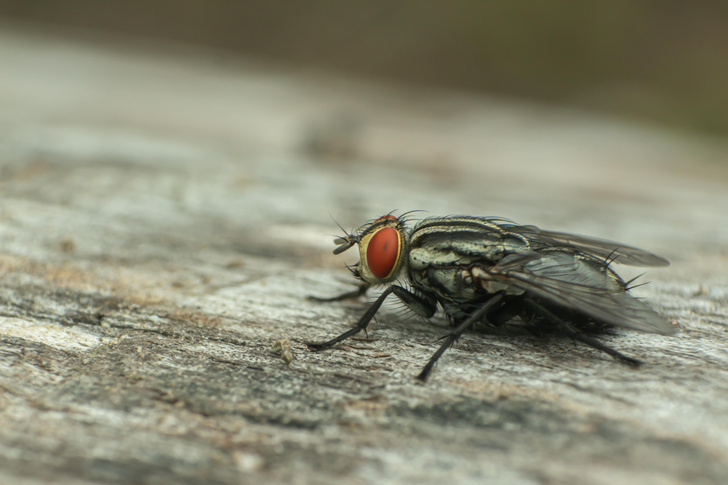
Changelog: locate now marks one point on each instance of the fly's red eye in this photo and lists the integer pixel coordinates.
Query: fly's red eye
(383, 252)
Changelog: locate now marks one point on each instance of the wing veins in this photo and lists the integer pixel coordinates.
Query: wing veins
(602, 298)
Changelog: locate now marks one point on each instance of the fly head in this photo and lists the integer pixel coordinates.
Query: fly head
(383, 246)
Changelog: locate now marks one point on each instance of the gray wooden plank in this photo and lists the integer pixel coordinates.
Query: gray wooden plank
(164, 215)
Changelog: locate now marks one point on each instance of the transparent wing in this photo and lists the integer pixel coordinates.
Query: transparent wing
(601, 248)
(566, 280)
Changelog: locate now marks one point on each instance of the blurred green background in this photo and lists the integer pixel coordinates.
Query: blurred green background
(664, 61)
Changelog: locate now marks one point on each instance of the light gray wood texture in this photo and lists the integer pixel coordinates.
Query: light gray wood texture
(164, 213)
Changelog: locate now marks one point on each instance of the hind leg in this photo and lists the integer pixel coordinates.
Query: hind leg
(575, 334)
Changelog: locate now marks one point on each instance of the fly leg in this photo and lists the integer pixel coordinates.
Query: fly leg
(422, 305)
(599, 345)
(506, 313)
(575, 334)
(360, 291)
(451, 337)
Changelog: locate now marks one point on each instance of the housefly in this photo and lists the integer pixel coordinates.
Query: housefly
(490, 271)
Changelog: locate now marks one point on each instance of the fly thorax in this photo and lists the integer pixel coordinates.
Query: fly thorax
(383, 248)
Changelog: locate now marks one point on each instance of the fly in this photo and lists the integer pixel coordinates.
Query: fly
(489, 271)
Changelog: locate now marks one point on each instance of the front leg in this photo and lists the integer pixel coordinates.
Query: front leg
(421, 305)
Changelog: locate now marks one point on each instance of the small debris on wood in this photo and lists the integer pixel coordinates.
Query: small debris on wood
(283, 348)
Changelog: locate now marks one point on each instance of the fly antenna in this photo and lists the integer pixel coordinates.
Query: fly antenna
(345, 242)
(347, 234)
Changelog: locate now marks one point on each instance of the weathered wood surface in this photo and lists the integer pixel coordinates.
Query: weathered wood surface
(164, 214)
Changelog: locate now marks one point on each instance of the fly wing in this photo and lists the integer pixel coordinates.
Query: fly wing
(567, 280)
(601, 248)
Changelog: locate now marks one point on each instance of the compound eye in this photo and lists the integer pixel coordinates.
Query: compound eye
(383, 252)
